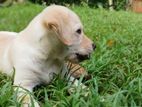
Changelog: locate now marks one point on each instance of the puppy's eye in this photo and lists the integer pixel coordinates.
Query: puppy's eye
(78, 31)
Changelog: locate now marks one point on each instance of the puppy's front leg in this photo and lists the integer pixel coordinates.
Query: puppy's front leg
(23, 89)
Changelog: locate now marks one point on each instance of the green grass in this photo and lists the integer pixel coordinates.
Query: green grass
(116, 65)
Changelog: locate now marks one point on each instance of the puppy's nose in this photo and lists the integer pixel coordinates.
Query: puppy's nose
(94, 46)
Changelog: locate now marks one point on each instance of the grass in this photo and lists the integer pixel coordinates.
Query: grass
(116, 65)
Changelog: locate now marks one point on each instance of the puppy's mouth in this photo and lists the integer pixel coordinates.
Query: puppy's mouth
(76, 57)
(81, 57)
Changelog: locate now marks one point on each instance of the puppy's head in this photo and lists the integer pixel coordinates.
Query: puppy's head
(66, 26)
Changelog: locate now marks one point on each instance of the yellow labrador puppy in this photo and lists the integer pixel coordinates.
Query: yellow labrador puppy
(41, 49)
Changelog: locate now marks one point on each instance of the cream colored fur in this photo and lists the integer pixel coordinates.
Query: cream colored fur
(40, 50)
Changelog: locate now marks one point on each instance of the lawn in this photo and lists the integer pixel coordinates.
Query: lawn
(115, 66)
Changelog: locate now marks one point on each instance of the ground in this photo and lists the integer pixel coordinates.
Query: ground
(115, 66)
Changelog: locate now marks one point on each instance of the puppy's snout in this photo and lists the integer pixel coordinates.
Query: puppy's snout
(94, 46)
(82, 57)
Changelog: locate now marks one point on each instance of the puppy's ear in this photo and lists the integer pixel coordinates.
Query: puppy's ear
(56, 27)
(52, 25)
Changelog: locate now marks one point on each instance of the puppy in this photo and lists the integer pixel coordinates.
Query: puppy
(39, 51)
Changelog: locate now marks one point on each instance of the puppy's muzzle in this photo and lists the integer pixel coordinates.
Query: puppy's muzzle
(81, 57)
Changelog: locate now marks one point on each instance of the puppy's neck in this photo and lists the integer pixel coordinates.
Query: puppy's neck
(34, 31)
(39, 38)
(57, 49)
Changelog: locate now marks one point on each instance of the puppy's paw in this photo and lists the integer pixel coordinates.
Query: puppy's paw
(25, 98)
(84, 93)
(76, 86)
(29, 101)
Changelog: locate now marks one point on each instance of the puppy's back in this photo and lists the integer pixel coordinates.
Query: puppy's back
(6, 39)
